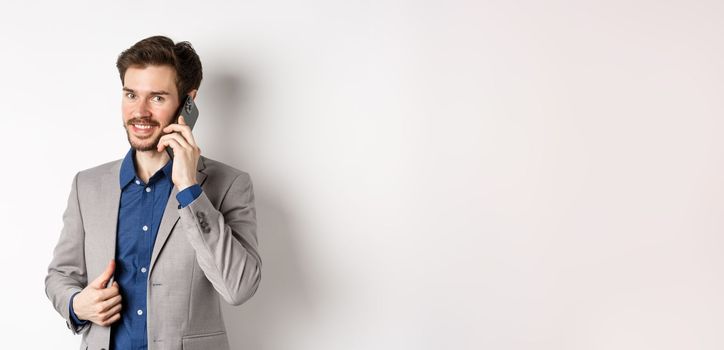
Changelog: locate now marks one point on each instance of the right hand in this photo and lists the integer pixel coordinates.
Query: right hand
(99, 304)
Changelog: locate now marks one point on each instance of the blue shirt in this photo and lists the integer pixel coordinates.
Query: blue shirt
(141, 208)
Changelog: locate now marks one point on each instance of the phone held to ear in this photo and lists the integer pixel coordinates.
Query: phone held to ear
(190, 112)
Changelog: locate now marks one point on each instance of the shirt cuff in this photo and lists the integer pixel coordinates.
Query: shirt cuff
(76, 322)
(188, 195)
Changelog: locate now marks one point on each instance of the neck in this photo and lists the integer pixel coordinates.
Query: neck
(149, 162)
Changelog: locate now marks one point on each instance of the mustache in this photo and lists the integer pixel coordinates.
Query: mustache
(142, 121)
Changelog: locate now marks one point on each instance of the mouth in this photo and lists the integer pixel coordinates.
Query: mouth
(143, 129)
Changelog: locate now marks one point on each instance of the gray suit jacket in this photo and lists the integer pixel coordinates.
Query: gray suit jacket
(202, 252)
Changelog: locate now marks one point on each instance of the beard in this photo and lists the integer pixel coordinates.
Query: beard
(146, 144)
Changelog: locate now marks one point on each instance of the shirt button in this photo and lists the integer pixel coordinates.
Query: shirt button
(143, 269)
(148, 189)
(139, 312)
(138, 182)
(145, 228)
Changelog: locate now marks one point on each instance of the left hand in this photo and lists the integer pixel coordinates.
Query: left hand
(185, 153)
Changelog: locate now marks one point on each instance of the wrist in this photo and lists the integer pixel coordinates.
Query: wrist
(74, 308)
(184, 185)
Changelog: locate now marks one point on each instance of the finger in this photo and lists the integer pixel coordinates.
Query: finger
(184, 130)
(111, 302)
(175, 141)
(180, 139)
(112, 311)
(107, 293)
(102, 280)
(111, 320)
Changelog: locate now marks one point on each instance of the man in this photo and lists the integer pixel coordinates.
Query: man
(150, 243)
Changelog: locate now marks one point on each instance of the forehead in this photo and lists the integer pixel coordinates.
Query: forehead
(150, 78)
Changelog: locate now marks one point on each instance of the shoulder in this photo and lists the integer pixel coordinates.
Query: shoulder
(96, 173)
(225, 178)
(101, 169)
(224, 181)
(221, 172)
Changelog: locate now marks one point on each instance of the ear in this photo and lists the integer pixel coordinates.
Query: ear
(193, 93)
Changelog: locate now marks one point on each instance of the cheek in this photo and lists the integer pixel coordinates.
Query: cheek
(165, 114)
(125, 117)
(126, 111)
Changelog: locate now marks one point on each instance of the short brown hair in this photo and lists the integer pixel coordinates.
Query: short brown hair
(161, 51)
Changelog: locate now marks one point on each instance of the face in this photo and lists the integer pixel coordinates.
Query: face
(150, 100)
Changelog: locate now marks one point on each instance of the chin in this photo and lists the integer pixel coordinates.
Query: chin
(143, 145)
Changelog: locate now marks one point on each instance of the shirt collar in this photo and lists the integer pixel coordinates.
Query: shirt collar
(128, 169)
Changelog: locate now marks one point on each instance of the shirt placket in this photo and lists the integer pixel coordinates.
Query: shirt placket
(143, 256)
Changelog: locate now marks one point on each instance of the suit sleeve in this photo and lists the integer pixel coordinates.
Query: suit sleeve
(67, 272)
(225, 240)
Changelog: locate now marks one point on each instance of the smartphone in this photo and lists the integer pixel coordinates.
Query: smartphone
(190, 112)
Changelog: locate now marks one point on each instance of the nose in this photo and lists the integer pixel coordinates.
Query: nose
(142, 110)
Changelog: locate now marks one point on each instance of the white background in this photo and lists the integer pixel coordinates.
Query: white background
(429, 174)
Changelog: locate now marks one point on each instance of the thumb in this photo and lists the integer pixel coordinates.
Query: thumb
(102, 280)
(181, 120)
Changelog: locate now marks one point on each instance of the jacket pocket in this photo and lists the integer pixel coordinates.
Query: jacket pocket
(216, 340)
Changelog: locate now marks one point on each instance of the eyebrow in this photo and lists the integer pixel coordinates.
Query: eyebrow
(159, 92)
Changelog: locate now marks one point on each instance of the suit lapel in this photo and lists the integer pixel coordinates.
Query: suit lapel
(110, 198)
(171, 215)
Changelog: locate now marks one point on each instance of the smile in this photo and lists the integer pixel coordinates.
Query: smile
(142, 128)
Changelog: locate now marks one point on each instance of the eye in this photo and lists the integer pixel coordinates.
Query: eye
(130, 95)
(157, 98)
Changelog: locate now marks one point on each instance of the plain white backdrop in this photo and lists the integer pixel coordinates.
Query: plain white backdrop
(428, 174)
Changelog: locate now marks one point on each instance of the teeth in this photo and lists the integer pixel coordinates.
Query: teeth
(143, 126)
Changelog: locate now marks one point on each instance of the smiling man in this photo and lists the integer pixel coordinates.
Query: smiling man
(150, 244)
